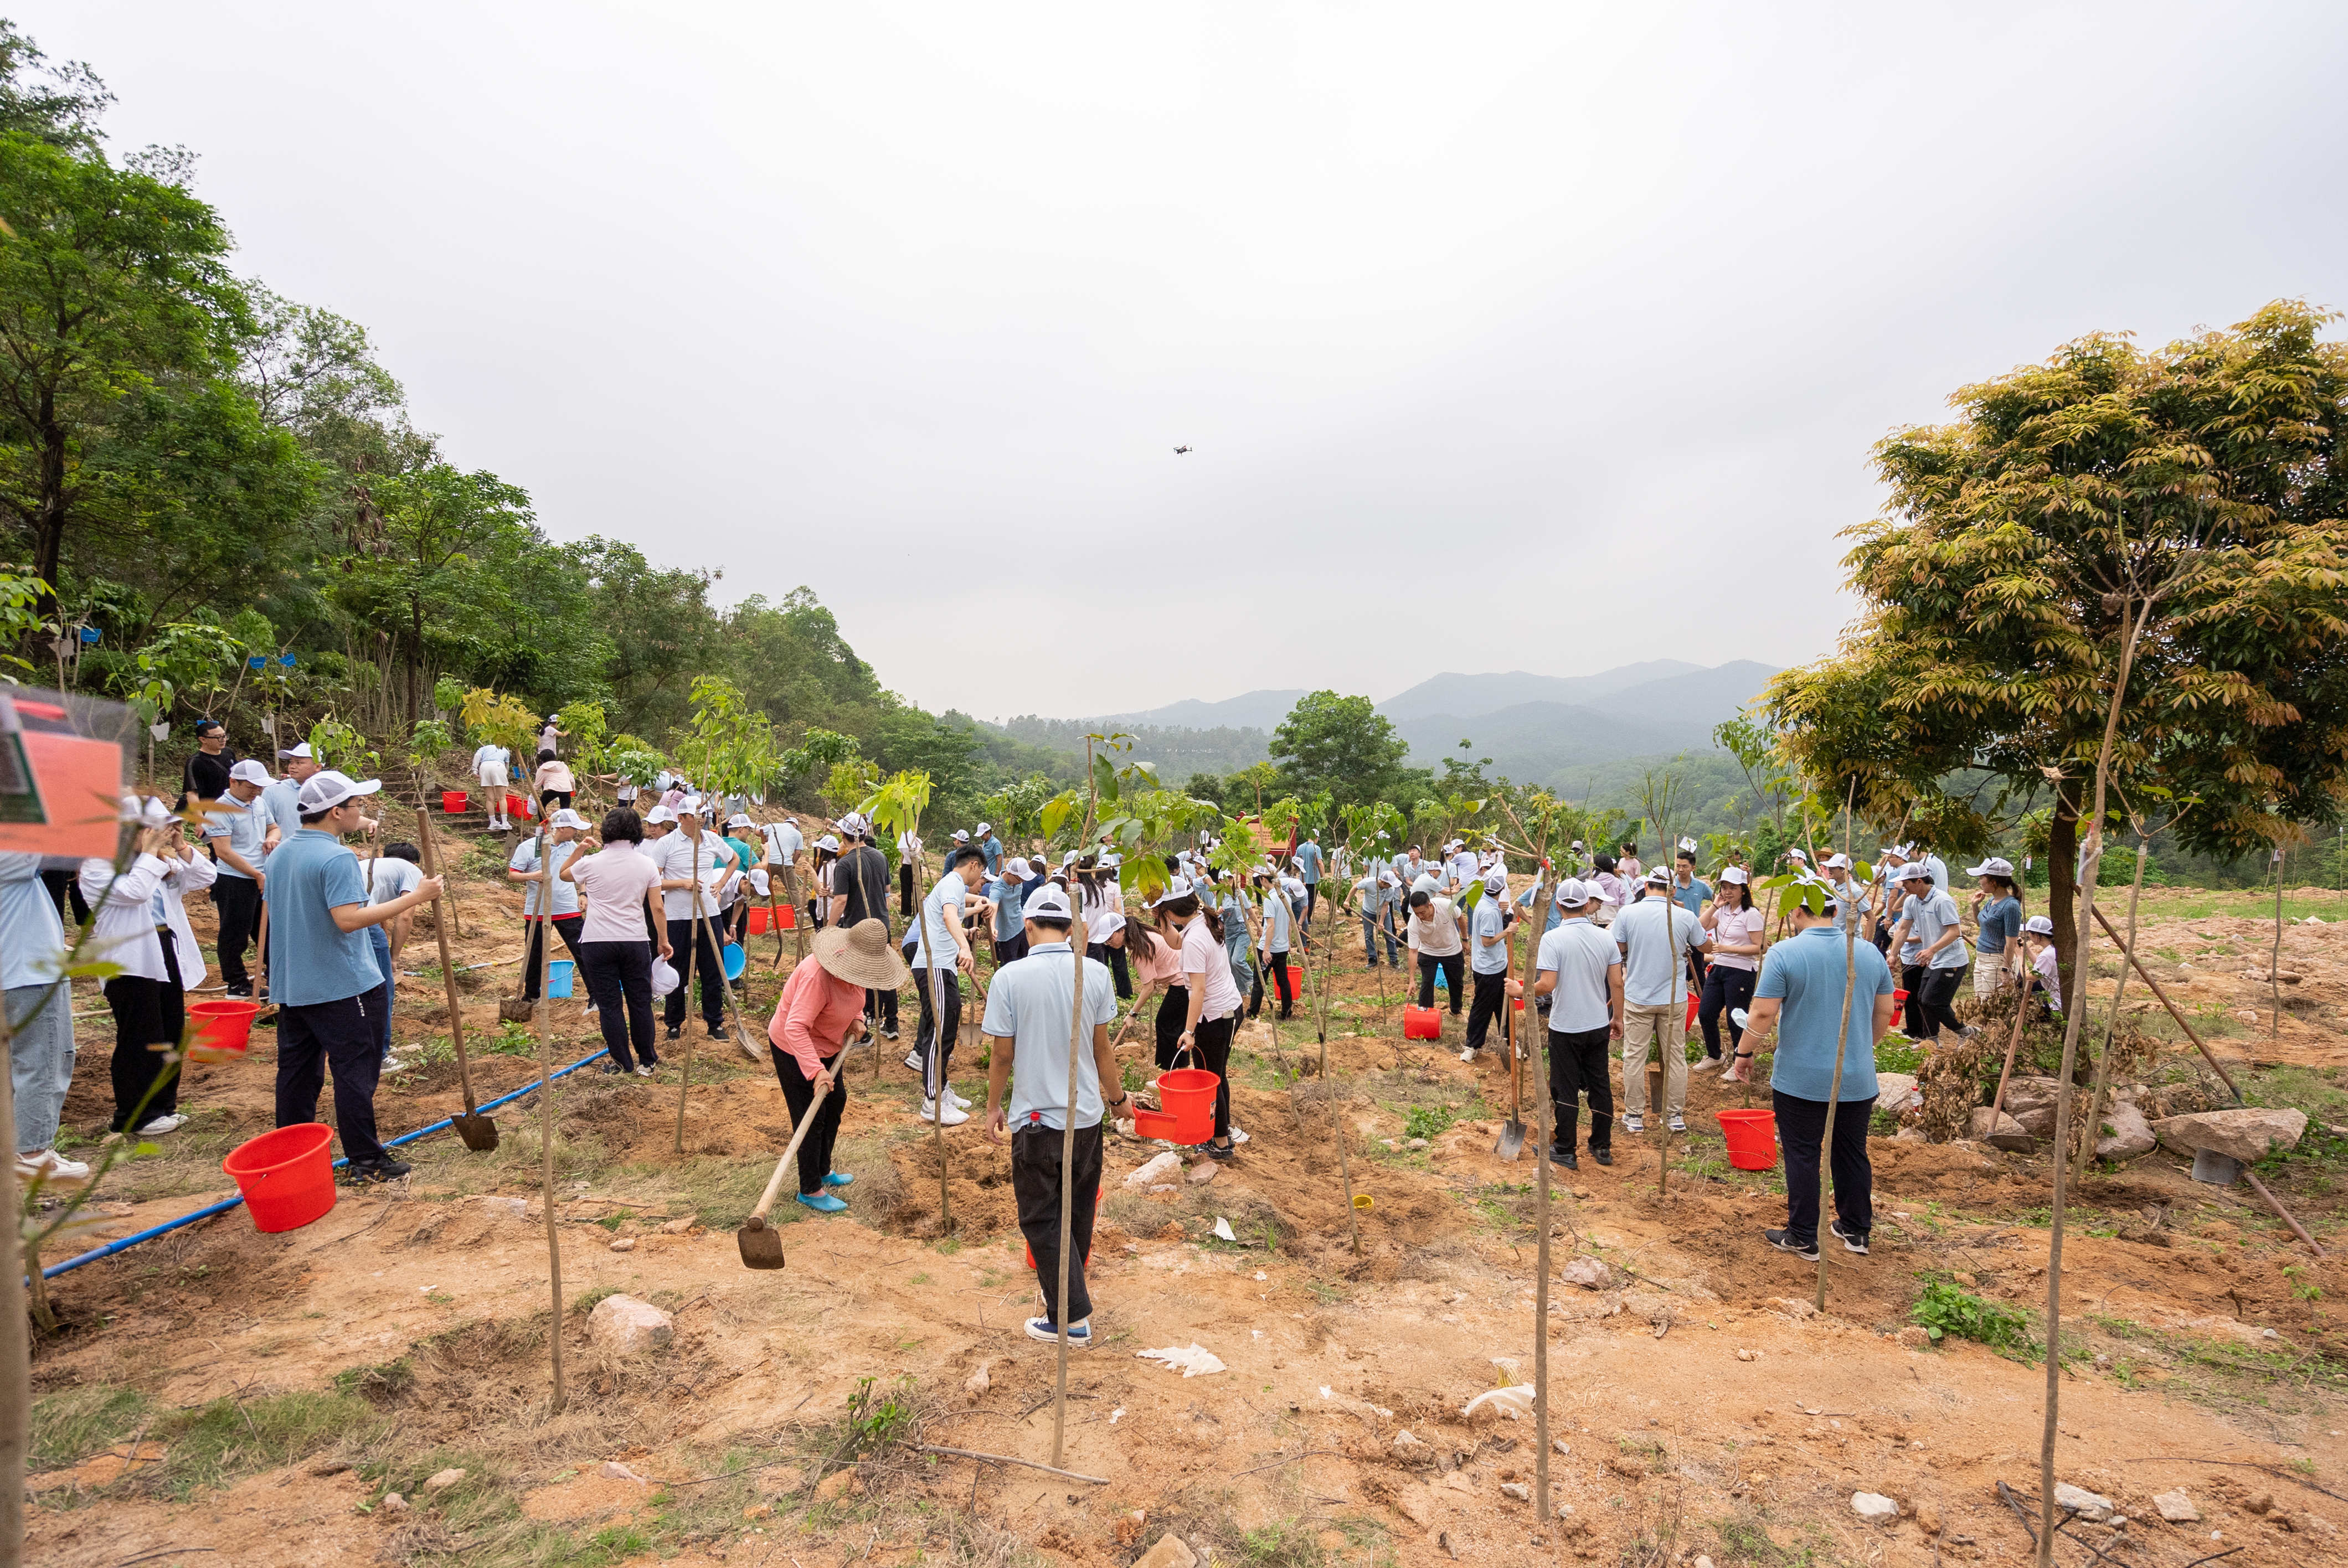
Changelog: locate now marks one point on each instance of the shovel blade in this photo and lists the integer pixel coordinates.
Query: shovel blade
(479, 1133)
(1511, 1142)
(761, 1245)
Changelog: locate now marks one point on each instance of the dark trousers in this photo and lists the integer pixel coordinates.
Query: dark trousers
(695, 958)
(566, 926)
(950, 989)
(1582, 1062)
(1278, 965)
(1114, 957)
(1312, 900)
(1801, 1128)
(1723, 988)
(1934, 1002)
(1036, 1177)
(238, 901)
(1172, 1014)
(881, 1007)
(340, 1034)
(559, 797)
(905, 889)
(1383, 921)
(1491, 996)
(1912, 1014)
(1452, 965)
(145, 1012)
(619, 978)
(1010, 949)
(799, 1091)
(1212, 1045)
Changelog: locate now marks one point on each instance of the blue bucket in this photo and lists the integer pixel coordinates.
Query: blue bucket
(558, 977)
(736, 960)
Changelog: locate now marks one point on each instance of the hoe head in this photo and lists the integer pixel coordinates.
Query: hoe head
(761, 1244)
(479, 1133)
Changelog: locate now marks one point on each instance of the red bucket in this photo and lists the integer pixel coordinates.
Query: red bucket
(287, 1176)
(1752, 1138)
(757, 921)
(1188, 1094)
(1421, 1023)
(224, 1023)
(786, 918)
(452, 801)
(1693, 999)
(516, 807)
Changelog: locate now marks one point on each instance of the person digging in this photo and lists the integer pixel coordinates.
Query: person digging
(821, 1012)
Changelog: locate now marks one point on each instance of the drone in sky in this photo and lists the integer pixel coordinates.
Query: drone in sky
(1179, 450)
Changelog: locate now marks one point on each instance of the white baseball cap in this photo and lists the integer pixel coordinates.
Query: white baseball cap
(1734, 874)
(328, 789)
(961, 835)
(984, 828)
(1914, 871)
(1180, 887)
(660, 813)
(252, 773)
(566, 818)
(2039, 926)
(827, 842)
(1837, 862)
(691, 806)
(740, 819)
(1572, 894)
(301, 750)
(1660, 876)
(1495, 882)
(1051, 904)
(1017, 869)
(1993, 866)
(149, 812)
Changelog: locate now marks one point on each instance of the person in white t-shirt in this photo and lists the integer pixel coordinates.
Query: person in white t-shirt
(1438, 934)
(1579, 970)
(491, 761)
(1736, 929)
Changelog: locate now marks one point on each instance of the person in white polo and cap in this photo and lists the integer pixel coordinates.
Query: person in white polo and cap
(1579, 970)
(280, 801)
(2045, 974)
(562, 830)
(1736, 929)
(1933, 953)
(990, 846)
(1655, 935)
(1031, 1013)
(1997, 925)
(328, 987)
(690, 859)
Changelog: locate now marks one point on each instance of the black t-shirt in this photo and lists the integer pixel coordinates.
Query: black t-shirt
(862, 875)
(206, 776)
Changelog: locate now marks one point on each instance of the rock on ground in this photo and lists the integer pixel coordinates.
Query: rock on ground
(2005, 1132)
(1589, 1273)
(2246, 1134)
(2088, 1506)
(1163, 1167)
(2175, 1507)
(2030, 1102)
(442, 1480)
(1897, 1092)
(1170, 1553)
(2130, 1135)
(1874, 1506)
(625, 1326)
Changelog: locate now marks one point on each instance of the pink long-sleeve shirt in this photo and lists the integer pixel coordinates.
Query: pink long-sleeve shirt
(812, 1016)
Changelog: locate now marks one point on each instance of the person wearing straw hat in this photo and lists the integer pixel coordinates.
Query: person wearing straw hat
(1800, 998)
(820, 1010)
(1030, 1017)
(624, 928)
(1655, 935)
(329, 988)
(1579, 972)
(562, 830)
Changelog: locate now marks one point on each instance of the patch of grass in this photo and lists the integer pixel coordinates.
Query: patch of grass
(1895, 1052)
(1945, 1309)
(216, 1443)
(585, 1302)
(1283, 1543)
(72, 1425)
(1427, 1121)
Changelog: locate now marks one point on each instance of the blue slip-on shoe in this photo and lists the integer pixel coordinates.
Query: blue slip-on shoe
(1080, 1335)
(837, 1179)
(823, 1203)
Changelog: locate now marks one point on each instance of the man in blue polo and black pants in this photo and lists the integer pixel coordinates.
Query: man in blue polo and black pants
(321, 968)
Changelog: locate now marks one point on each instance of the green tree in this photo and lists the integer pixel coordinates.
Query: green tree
(1343, 745)
(2168, 525)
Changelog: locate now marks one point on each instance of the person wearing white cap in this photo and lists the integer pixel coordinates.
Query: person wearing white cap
(1031, 1014)
(1211, 997)
(281, 801)
(1997, 922)
(992, 848)
(1655, 935)
(1461, 869)
(785, 840)
(1377, 915)
(624, 926)
(1272, 947)
(1007, 892)
(941, 941)
(1579, 972)
(563, 830)
(1488, 958)
(693, 868)
(1736, 929)
(2045, 974)
(234, 827)
(1853, 899)
(1934, 954)
(392, 874)
(327, 984)
(491, 763)
(859, 892)
(141, 928)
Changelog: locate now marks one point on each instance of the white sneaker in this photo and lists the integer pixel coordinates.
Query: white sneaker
(954, 1099)
(1237, 1136)
(1708, 1064)
(1634, 1122)
(913, 1061)
(1467, 1056)
(53, 1169)
(951, 1117)
(162, 1124)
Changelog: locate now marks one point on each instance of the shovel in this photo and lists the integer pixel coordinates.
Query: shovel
(1511, 1142)
(479, 1132)
(761, 1244)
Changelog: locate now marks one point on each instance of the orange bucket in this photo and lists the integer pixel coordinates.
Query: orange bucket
(224, 1023)
(1752, 1138)
(757, 921)
(1421, 1023)
(1188, 1094)
(287, 1176)
(452, 801)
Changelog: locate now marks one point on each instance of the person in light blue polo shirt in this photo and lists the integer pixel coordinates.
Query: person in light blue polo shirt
(1488, 959)
(1800, 998)
(1308, 867)
(1029, 1020)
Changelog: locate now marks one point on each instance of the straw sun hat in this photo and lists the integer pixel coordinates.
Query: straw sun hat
(860, 955)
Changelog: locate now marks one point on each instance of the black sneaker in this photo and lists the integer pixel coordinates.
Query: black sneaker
(1604, 1156)
(676, 1030)
(1783, 1242)
(1852, 1241)
(889, 1032)
(383, 1170)
(1564, 1157)
(240, 993)
(610, 1067)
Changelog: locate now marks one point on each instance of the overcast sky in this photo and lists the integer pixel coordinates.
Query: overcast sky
(1492, 327)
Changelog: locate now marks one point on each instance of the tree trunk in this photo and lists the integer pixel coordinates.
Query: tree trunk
(2063, 888)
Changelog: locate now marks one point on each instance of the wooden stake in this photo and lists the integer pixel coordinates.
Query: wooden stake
(546, 1118)
(2182, 1023)
(15, 1331)
(1068, 1133)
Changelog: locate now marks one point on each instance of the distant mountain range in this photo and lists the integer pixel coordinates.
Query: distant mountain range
(1533, 727)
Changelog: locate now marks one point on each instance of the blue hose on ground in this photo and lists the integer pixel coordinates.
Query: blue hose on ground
(110, 1249)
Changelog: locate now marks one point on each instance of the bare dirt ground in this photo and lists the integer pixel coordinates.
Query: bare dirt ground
(221, 1395)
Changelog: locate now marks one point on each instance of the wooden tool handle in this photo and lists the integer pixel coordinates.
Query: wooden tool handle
(790, 1151)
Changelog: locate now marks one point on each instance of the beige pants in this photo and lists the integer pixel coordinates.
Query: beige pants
(1666, 1029)
(1989, 976)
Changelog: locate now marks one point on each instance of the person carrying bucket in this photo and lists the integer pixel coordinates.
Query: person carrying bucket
(1211, 1000)
(327, 985)
(1579, 971)
(820, 1010)
(1029, 1022)
(1800, 998)
(563, 830)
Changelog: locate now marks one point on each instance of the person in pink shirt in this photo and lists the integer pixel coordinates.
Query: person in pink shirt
(822, 1009)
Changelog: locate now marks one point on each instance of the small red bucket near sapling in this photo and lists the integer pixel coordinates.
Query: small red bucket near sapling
(224, 1023)
(1187, 1094)
(787, 918)
(452, 801)
(757, 921)
(1752, 1138)
(287, 1176)
(1421, 1023)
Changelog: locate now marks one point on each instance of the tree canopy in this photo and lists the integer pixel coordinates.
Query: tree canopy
(1345, 746)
